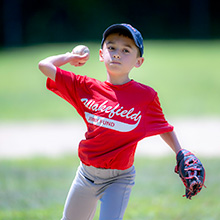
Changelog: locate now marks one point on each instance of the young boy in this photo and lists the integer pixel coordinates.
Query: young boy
(118, 113)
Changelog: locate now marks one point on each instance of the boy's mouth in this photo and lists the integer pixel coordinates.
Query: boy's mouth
(115, 62)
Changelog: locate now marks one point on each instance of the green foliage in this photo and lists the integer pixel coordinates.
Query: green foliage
(185, 74)
(36, 189)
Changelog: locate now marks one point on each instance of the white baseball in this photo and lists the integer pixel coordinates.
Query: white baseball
(81, 50)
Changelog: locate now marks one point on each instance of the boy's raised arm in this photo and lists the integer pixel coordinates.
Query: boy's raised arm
(48, 66)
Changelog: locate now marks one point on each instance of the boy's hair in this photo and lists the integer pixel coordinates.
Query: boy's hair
(128, 31)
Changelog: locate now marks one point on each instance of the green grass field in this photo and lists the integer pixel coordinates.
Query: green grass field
(36, 189)
(185, 73)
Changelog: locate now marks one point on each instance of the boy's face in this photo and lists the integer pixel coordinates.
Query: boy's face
(120, 54)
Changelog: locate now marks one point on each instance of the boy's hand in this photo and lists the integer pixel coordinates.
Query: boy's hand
(78, 60)
(80, 55)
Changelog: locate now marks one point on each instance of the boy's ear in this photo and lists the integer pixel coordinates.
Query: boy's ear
(101, 55)
(139, 62)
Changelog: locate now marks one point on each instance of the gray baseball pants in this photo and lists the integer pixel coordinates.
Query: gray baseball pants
(112, 187)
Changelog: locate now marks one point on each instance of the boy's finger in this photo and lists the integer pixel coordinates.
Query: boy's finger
(82, 57)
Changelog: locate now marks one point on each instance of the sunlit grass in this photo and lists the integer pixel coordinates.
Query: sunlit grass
(185, 73)
(36, 189)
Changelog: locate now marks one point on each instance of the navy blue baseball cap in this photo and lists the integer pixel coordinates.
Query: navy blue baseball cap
(137, 37)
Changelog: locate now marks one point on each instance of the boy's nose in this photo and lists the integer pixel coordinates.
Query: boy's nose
(116, 56)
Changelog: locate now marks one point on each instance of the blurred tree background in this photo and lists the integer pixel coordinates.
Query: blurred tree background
(25, 22)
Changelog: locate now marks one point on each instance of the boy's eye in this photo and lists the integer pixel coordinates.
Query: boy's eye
(125, 50)
(111, 48)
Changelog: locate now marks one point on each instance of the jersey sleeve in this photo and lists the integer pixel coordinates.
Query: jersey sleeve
(155, 119)
(66, 86)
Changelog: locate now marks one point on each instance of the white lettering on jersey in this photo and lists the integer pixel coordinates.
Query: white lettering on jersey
(111, 111)
(110, 123)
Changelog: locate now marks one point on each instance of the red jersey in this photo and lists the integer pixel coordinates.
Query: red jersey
(117, 117)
